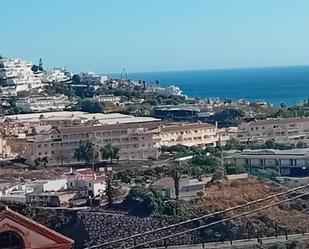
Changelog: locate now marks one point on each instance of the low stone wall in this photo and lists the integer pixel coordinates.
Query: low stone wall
(103, 227)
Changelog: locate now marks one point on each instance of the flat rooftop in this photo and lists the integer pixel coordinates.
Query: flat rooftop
(269, 153)
(111, 118)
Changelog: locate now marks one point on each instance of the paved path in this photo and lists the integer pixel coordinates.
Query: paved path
(247, 242)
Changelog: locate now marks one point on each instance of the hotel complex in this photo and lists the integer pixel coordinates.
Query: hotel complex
(280, 130)
(56, 135)
(192, 134)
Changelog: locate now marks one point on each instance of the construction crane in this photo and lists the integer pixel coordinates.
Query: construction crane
(123, 73)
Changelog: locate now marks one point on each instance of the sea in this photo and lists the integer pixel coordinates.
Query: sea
(276, 85)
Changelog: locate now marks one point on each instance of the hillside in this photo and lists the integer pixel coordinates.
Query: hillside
(291, 216)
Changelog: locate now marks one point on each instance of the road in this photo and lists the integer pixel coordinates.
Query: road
(247, 242)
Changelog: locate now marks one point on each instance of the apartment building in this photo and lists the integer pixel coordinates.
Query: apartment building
(16, 75)
(286, 162)
(57, 75)
(280, 130)
(192, 134)
(108, 98)
(18, 130)
(23, 124)
(39, 103)
(91, 77)
(59, 144)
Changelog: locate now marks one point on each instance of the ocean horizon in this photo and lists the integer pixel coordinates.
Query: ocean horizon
(276, 85)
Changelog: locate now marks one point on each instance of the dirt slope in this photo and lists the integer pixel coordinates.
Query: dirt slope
(290, 217)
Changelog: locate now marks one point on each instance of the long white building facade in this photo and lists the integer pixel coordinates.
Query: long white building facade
(39, 103)
(16, 75)
(280, 130)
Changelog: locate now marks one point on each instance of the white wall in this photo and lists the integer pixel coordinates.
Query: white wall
(55, 185)
(97, 186)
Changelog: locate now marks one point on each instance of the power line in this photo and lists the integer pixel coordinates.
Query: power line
(220, 221)
(199, 218)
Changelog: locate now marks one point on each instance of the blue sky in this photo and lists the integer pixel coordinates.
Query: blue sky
(158, 35)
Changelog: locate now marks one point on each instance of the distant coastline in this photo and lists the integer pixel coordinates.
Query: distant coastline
(276, 85)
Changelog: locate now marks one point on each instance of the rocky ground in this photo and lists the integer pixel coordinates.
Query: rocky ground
(15, 172)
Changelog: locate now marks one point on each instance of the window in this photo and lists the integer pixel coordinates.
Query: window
(11, 239)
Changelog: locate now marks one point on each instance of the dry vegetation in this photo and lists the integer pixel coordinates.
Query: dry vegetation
(19, 172)
(291, 217)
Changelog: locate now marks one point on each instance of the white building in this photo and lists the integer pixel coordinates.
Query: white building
(167, 91)
(16, 75)
(279, 130)
(17, 192)
(192, 134)
(90, 77)
(103, 79)
(108, 98)
(293, 162)
(57, 75)
(87, 181)
(38, 103)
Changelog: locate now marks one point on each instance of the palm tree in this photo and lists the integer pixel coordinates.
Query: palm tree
(61, 155)
(40, 162)
(110, 152)
(86, 151)
(174, 172)
(176, 179)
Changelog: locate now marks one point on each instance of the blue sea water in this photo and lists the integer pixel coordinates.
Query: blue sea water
(289, 85)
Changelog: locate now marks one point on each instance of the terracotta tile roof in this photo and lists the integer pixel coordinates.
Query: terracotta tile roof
(87, 175)
(6, 213)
